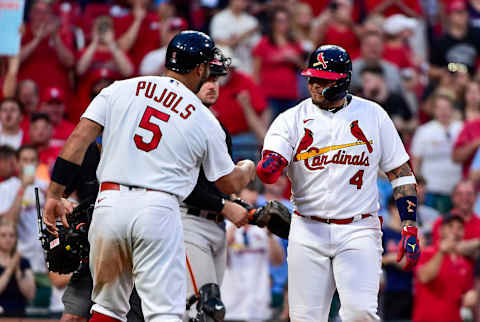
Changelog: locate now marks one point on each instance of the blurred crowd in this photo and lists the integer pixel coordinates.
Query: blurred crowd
(418, 59)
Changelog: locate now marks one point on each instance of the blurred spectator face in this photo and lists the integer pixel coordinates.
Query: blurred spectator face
(53, 105)
(8, 238)
(371, 84)
(452, 230)
(28, 95)
(343, 11)
(238, 5)
(40, 132)
(8, 165)
(28, 156)
(372, 47)
(103, 27)
(249, 196)
(303, 15)
(464, 197)
(472, 94)
(209, 91)
(142, 3)
(41, 13)
(281, 23)
(165, 10)
(373, 25)
(458, 14)
(443, 110)
(10, 115)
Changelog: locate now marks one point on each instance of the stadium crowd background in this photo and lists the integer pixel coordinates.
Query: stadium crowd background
(417, 58)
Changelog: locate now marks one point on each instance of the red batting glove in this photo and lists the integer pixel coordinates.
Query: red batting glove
(410, 247)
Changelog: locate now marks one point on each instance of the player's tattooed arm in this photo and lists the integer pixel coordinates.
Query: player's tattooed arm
(404, 191)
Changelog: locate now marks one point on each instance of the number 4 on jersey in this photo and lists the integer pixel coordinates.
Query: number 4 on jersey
(357, 179)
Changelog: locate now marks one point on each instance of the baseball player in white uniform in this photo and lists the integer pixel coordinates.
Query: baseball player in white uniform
(156, 134)
(333, 145)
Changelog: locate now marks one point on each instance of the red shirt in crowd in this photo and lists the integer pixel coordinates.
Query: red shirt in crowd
(472, 228)
(49, 155)
(441, 298)
(401, 56)
(228, 109)
(278, 78)
(61, 132)
(148, 38)
(44, 67)
(469, 133)
(344, 38)
(394, 8)
(101, 60)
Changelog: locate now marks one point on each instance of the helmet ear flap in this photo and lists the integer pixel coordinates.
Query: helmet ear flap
(337, 91)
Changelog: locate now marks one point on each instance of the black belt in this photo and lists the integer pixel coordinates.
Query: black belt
(216, 217)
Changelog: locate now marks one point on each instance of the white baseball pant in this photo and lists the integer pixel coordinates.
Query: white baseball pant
(206, 248)
(322, 257)
(136, 237)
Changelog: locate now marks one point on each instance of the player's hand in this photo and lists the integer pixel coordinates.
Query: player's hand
(54, 208)
(237, 214)
(409, 247)
(69, 205)
(249, 165)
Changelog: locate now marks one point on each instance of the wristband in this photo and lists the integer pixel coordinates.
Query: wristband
(407, 208)
(64, 172)
(401, 181)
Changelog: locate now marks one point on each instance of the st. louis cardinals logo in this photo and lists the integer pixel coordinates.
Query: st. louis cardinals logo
(320, 61)
(358, 134)
(317, 158)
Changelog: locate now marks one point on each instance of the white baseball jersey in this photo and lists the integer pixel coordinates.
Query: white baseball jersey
(156, 135)
(334, 158)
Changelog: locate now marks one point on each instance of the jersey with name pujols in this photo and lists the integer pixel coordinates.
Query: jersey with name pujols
(334, 158)
(156, 135)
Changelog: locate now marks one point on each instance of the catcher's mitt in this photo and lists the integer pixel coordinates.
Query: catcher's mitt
(274, 215)
(64, 253)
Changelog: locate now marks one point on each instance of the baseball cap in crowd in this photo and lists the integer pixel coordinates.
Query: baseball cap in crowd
(177, 23)
(397, 23)
(53, 94)
(456, 5)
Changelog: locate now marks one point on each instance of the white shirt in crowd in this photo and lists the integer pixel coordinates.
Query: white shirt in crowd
(225, 25)
(434, 144)
(27, 226)
(13, 141)
(156, 135)
(153, 63)
(246, 285)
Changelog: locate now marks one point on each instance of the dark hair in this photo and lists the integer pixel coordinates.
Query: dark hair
(26, 147)
(12, 100)
(271, 20)
(451, 218)
(376, 69)
(40, 116)
(6, 152)
(27, 81)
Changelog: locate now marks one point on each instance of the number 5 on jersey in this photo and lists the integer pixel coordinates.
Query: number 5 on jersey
(146, 124)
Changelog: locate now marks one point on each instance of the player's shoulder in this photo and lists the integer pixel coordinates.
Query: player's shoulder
(292, 113)
(367, 105)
